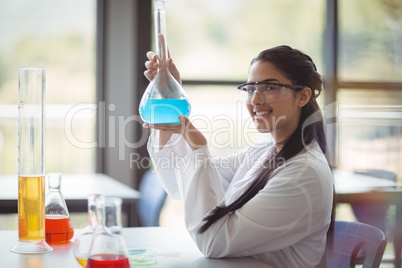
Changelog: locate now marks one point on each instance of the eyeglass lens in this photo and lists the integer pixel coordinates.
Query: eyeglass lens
(266, 92)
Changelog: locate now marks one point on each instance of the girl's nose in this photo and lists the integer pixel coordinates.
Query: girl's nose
(257, 98)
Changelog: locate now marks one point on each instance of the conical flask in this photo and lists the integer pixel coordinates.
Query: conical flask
(82, 243)
(164, 99)
(107, 249)
(58, 226)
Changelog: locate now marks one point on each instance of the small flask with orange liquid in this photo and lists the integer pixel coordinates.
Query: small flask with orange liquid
(58, 226)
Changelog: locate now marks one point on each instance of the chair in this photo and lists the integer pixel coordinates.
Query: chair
(374, 214)
(152, 199)
(352, 239)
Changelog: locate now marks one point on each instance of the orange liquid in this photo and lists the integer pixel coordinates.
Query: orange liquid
(58, 229)
(31, 208)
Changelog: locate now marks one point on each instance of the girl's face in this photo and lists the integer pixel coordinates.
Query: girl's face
(274, 111)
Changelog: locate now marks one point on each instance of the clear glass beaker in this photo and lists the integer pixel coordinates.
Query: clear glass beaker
(107, 249)
(58, 226)
(31, 169)
(164, 99)
(82, 243)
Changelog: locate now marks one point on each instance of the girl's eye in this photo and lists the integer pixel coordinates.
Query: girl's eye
(250, 90)
(272, 87)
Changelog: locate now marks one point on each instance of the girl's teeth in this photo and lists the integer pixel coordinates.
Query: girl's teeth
(262, 113)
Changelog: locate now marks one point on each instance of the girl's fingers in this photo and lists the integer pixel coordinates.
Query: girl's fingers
(149, 75)
(152, 70)
(165, 127)
(151, 65)
(169, 128)
(183, 119)
(151, 56)
(186, 122)
(173, 128)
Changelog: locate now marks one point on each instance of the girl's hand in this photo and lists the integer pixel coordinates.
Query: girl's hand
(152, 67)
(193, 136)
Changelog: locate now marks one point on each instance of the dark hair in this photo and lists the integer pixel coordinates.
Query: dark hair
(300, 69)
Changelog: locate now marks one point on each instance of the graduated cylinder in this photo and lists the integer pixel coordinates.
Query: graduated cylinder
(31, 170)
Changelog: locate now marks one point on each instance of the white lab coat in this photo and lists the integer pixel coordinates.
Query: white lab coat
(284, 225)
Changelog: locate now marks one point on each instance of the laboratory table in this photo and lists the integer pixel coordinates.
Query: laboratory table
(175, 246)
(75, 189)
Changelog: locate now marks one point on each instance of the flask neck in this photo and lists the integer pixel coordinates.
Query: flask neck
(160, 30)
(113, 213)
(54, 181)
(92, 218)
(94, 204)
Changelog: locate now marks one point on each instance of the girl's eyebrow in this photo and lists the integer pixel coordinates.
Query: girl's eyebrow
(270, 80)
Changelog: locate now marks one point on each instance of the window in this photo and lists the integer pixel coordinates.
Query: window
(60, 36)
(213, 43)
(370, 41)
(370, 85)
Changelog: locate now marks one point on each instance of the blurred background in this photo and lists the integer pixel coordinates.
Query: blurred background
(94, 54)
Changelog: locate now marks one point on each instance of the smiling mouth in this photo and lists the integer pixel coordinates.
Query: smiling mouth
(258, 115)
(262, 113)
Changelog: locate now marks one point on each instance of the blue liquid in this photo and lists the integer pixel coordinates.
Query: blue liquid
(164, 111)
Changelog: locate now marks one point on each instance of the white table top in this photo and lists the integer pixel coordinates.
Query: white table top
(349, 182)
(74, 187)
(168, 239)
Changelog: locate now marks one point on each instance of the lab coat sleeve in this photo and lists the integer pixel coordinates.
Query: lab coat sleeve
(169, 162)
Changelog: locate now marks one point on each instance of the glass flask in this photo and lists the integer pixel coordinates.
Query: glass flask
(58, 226)
(31, 168)
(164, 99)
(82, 243)
(107, 249)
